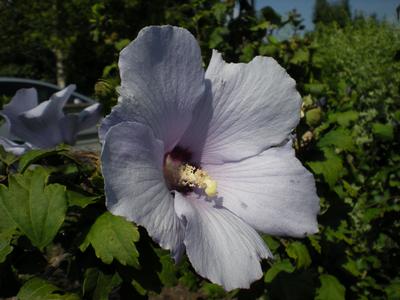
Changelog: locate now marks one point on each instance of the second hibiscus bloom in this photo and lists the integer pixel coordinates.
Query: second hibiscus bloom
(203, 160)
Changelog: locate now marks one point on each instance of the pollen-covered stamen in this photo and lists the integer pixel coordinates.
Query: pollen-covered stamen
(185, 176)
(194, 177)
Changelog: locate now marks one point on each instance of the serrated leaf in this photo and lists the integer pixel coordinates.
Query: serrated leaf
(77, 199)
(39, 289)
(299, 253)
(344, 118)
(271, 242)
(340, 138)
(100, 283)
(113, 237)
(37, 209)
(331, 288)
(279, 266)
(168, 271)
(331, 168)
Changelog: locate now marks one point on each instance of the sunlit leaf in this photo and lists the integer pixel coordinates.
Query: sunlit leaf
(113, 237)
(339, 138)
(39, 289)
(344, 118)
(300, 56)
(331, 288)
(272, 243)
(279, 266)
(331, 168)
(299, 253)
(37, 209)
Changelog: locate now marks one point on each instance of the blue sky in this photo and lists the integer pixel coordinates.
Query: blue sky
(382, 8)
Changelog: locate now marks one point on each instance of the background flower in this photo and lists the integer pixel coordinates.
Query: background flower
(44, 125)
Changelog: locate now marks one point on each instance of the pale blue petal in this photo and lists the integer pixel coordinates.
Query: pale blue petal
(254, 106)
(162, 79)
(71, 124)
(272, 192)
(40, 126)
(220, 246)
(52, 109)
(90, 116)
(69, 127)
(132, 166)
(24, 99)
(14, 148)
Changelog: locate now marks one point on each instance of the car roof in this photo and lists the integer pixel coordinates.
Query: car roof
(9, 85)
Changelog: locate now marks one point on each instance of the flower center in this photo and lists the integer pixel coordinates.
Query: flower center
(183, 177)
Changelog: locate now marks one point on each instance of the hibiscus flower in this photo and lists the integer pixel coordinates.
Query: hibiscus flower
(204, 160)
(43, 125)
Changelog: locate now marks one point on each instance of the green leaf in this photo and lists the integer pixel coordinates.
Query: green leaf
(272, 39)
(269, 50)
(300, 56)
(217, 37)
(168, 271)
(33, 156)
(138, 287)
(39, 289)
(331, 168)
(272, 243)
(213, 291)
(6, 222)
(340, 138)
(279, 266)
(77, 199)
(383, 131)
(113, 237)
(5, 243)
(393, 289)
(299, 253)
(344, 118)
(100, 283)
(331, 288)
(37, 209)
